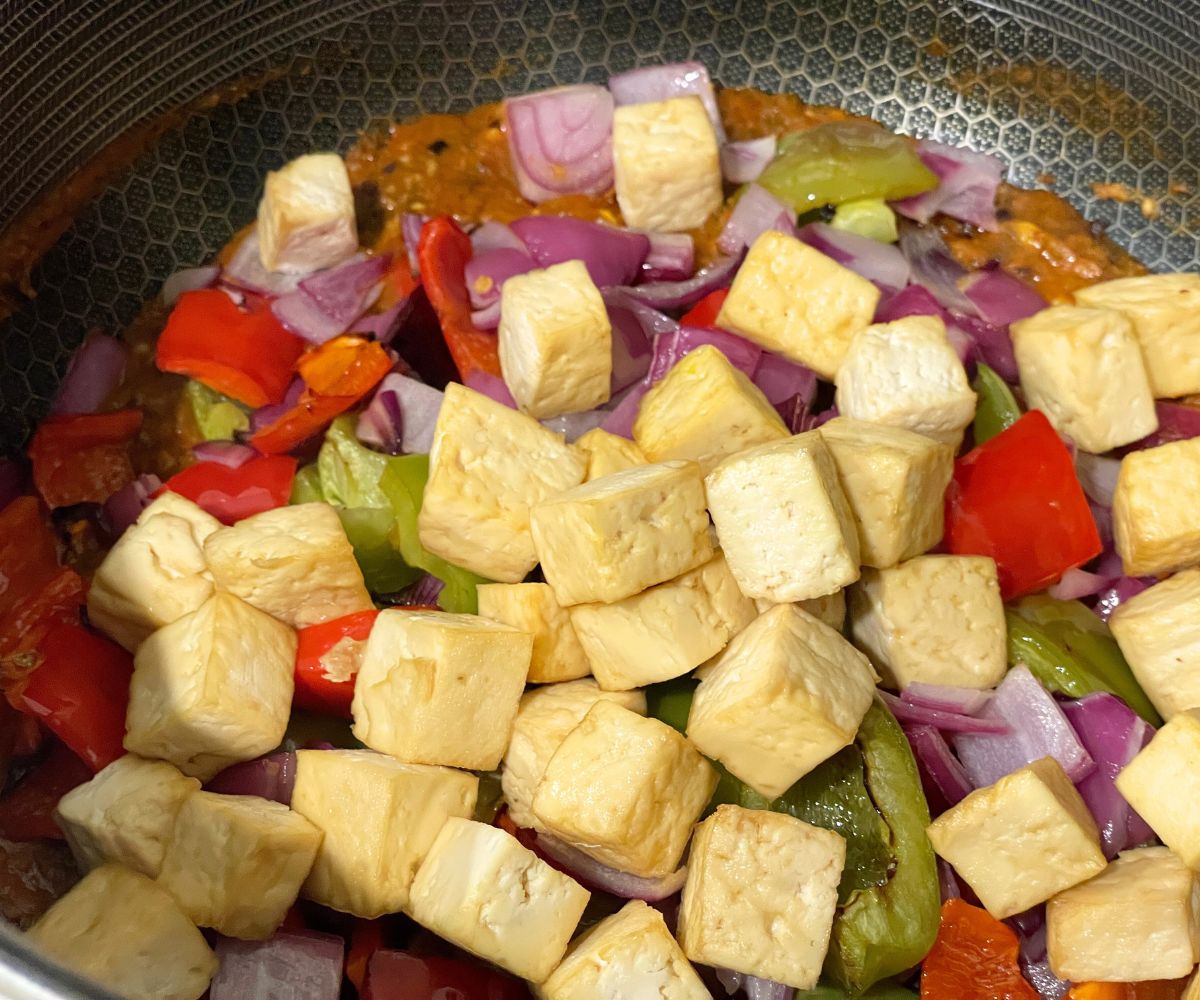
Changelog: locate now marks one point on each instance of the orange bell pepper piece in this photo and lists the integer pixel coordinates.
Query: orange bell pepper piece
(1157, 989)
(83, 458)
(975, 957)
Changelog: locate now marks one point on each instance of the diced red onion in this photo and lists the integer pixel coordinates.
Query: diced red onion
(963, 345)
(487, 271)
(880, 263)
(620, 420)
(630, 345)
(1113, 597)
(343, 292)
(303, 317)
(266, 415)
(999, 298)
(950, 886)
(1098, 476)
(13, 479)
(245, 270)
(915, 300)
(573, 426)
(612, 256)
(290, 964)
(756, 211)
(270, 777)
(410, 231)
(423, 592)
(1075, 584)
(591, 873)
(946, 698)
(730, 981)
(654, 322)
(401, 416)
(487, 318)
(491, 386)
(495, 236)
(742, 162)
(190, 279)
(1176, 422)
(126, 505)
(672, 257)
(992, 343)
(945, 782)
(560, 141)
(227, 453)
(934, 267)
(383, 326)
(781, 379)
(1113, 734)
(680, 294)
(966, 190)
(669, 349)
(661, 83)
(94, 371)
(1038, 728)
(766, 989)
(950, 722)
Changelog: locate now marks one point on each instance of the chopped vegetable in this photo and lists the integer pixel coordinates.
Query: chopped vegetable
(704, 312)
(369, 531)
(85, 458)
(681, 294)
(999, 298)
(973, 958)
(612, 256)
(27, 810)
(23, 627)
(320, 682)
(288, 964)
(662, 83)
(672, 257)
(942, 776)
(872, 218)
(940, 719)
(94, 372)
(600, 877)
(997, 409)
(270, 777)
(1176, 422)
(28, 557)
(878, 262)
(560, 141)
(189, 279)
(755, 211)
(966, 189)
(401, 416)
(743, 162)
(230, 494)
(218, 417)
(398, 975)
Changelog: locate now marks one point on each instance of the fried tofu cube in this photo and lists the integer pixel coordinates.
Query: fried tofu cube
(292, 562)
(533, 608)
(120, 929)
(795, 301)
(704, 409)
(783, 521)
(621, 958)
(607, 453)
(894, 480)
(480, 889)
(1165, 312)
(1162, 783)
(760, 895)
(488, 466)
(155, 573)
(1083, 369)
(1139, 919)
(306, 216)
(126, 813)
(212, 688)
(625, 790)
(1158, 630)
(1156, 509)
(614, 537)
(933, 619)
(665, 631)
(547, 714)
(786, 694)
(665, 164)
(555, 341)
(379, 818)
(1022, 840)
(236, 862)
(437, 688)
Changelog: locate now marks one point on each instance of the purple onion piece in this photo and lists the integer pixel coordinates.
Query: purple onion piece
(573, 426)
(781, 380)
(620, 420)
(289, 964)
(342, 293)
(245, 270)
(270, 777)
(266, 415)
(742, 162)
(661, 83)
(1176, 422)
(1076, 584)
(383, 326)
(491, 386)
(946, 698)
(934, 267)
(560, 141)
(630, 346)
(1098, 476)
(671, 348)
(680, 294)
(880, 263)
(593, 873)
(401, 416)
(126, 505)
(942, 776)
(1121, 591)
(486, 272)
(612, 256)
(999, 298)
(915, 300)
(992, 344)
(227, 453)
(756, 212)
(302, 316)
(423, 592)
(966, 190)
(410, 231)
(952, 722)
(190, 279)
(94, 372)
(654, 323)
(495, 236)
(672, 257)
(487, 318)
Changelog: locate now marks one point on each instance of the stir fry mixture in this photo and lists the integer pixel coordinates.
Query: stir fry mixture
(633, 543)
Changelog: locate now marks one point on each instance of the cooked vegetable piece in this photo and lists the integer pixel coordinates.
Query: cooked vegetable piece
(217, 417)
(27, 809)
(84, 458)
(229, 494)
(704, 312)
(328, 656)
(28, 557)
(869, 217)
(397, 975)
(973, 958)
(996, 408)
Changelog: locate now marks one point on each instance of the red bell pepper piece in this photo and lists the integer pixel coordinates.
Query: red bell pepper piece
(242, 352)
(443, 251)
(366, 938)
(316, 690)
(973, 958)
(27, 812)
(25, 626)
(230, 494)
(83, 458)
(704, 312)
(28, 555)
(80, 692)
(1017, 499)
(399, 975)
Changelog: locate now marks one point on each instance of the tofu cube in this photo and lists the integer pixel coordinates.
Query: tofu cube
(555, 341)
(783, 521)
(306, 216)
(126, 813)
(236, 862)
(547, 714)
(1083, 369)
(1139, 919)
(760, 895)
(786, 694)
(1022, 840)
(1156, 509)
(906, 374)
(933, 619)
(1165, 312)
(480, 889)
(616, 536)
(1158, 630)
(533, 608)
(704, 409)
(627, 956)
(666, 168)
(829, 610)
(665, 631)
(488, 466)
(894, 480)
(795, 301)
(120, 929)
(607, 453)
(624, 790)
(1162, 783)
(294, 563)
(155, 573)
(379, 818)
(437, 688)
(212, 688)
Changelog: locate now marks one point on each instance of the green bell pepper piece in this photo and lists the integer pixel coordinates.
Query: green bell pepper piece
(218, 417)
(350, 472)
(844, 161)
(869, 217)
(369, 531)
(997, 409)
(1072, 652)
(881, 991)
(306, 487)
